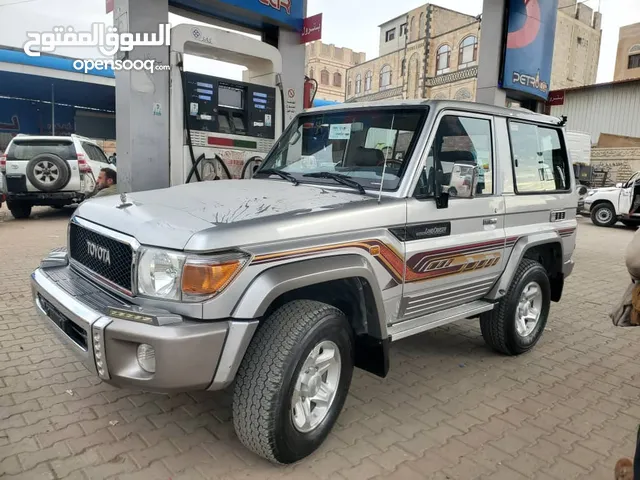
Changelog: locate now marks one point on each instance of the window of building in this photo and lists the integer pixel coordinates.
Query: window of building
(421, 25)
(634, 57)
(403, 29)
(460, 144)
(412, 28)
(385, 77)
(367, 81)
(540, 161)
(324, 77)
(468, 51)
(390, 35)
(358, 84)
(349, 86)
(337, 79)
(403, 67)
(443, 59)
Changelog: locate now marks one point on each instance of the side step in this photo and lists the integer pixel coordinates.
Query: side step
(408, 328)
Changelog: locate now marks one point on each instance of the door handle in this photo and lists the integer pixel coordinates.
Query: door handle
(490, 221)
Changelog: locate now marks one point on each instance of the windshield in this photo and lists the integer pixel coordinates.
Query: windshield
(353, 143)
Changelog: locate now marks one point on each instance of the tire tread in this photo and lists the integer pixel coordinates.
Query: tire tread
(492, 324)
(260, 375)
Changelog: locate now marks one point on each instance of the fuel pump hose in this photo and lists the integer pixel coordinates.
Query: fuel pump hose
(194, 168)
(186, 125)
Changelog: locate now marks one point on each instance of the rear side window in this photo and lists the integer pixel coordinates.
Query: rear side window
(540, 160)
(94, 153)
(27, 149)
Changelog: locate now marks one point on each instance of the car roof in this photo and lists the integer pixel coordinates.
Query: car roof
(516, 113)
(23, 136)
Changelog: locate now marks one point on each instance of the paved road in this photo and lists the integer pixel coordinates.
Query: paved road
(449, 409)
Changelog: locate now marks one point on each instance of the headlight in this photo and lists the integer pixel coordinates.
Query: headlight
(159, 273)
(176, 276)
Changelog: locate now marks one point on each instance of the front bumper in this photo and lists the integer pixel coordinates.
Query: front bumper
(189, 355)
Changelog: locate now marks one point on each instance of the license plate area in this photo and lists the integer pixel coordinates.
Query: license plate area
(76, 333)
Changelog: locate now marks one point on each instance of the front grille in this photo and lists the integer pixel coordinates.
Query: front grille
(109, 258)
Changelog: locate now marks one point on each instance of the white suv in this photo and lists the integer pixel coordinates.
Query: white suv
(53, 171)
(608, 205)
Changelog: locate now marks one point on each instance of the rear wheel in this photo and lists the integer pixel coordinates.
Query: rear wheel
(293, 381)
(19, 210)
(604, 215)
(517, 322)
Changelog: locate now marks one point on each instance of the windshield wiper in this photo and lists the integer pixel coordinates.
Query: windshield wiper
(281, 174)
(343, 179)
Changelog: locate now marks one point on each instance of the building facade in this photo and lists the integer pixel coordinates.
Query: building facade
(328, 64)
(432, 52)
(628, 57)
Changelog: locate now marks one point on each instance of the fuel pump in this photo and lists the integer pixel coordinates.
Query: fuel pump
(221, 128)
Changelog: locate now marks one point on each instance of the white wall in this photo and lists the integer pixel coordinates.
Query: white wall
(398, 42)
(613, 109)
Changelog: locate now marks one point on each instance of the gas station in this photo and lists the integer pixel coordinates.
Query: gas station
(176, 126)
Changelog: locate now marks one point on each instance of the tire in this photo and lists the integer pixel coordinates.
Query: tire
(603, 215)
(19, 210)
(48, 172)
(499, 326)
(263, 410)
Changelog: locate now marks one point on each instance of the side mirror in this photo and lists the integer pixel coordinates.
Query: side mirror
(619, 185)
(464, 181)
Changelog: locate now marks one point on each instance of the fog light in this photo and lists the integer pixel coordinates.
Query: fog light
(147, 358)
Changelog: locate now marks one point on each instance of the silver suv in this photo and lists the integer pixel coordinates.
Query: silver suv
(345, 240)
(53, 171)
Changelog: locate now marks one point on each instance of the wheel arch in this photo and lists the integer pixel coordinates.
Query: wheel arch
(601, 201)
(545, 248)
(347, 282)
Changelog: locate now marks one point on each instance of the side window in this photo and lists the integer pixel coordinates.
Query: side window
(460, 144)
(540, 161)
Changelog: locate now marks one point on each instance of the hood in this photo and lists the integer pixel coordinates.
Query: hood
(170, 217)
(604, 189)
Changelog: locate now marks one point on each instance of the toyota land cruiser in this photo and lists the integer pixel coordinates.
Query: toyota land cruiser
(344, 241)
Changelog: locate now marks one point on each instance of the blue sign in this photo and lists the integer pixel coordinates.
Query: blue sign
(529, 46)
(252, 13)
(34, 118)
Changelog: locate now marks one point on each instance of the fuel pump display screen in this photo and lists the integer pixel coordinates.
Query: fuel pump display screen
(230, 97)
(219, 105)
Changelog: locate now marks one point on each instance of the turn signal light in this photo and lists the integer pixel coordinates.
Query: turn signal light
(207, 278)
(3, 163)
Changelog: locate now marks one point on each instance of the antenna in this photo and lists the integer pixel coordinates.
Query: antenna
(386, 157)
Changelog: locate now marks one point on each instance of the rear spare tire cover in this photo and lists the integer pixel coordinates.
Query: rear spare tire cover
(48, 172)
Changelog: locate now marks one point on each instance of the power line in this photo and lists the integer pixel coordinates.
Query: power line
(16, 3)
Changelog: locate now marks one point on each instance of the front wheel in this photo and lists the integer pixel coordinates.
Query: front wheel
(293, 381)
(604, 215)
(516, 324)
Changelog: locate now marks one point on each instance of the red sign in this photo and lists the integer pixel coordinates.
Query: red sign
(311, 29)
(556, 98)
(110, 5)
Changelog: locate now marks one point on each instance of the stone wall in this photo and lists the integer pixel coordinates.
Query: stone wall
(621, 162)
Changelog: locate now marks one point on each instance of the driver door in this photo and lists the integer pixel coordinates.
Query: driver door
(454, 255)
(625, 201)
